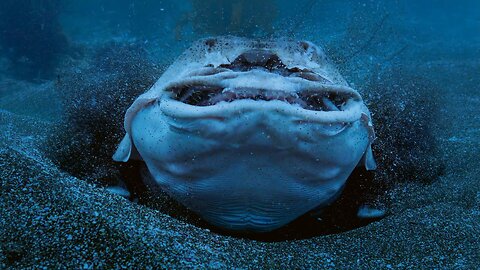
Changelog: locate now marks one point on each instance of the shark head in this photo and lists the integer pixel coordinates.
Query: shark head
(250, 134)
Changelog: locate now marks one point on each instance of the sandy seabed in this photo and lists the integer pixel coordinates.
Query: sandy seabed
(51, 219)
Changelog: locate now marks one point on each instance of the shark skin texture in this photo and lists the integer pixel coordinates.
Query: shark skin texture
(250, 134)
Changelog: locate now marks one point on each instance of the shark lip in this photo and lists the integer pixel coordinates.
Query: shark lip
(315, 103)
(258, 80)
(301, 87)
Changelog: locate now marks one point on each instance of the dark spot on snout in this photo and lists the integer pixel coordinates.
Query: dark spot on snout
(304, 45)
(210, 42)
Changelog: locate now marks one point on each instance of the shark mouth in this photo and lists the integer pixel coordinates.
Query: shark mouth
(209, 95)
(322, 95)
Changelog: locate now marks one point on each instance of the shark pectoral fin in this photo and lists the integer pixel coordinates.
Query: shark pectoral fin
(368, 160)
(126, 150)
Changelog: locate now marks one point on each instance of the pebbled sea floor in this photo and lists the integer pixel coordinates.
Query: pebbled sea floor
(50, 219)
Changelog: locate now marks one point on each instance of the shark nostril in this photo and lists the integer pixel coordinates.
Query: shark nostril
(266, 60)
(256, 58)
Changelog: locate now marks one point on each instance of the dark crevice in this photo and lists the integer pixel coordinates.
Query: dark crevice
(209, 95)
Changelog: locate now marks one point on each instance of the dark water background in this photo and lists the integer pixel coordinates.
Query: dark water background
(69, 69)
(38, 34)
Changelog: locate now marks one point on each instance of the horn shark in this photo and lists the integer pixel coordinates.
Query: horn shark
(250, 134)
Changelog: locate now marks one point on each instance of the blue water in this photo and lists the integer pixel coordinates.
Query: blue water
(379, 29)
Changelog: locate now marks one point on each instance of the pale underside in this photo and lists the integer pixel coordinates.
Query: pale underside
(250, 134)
